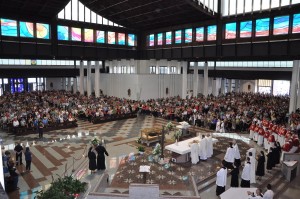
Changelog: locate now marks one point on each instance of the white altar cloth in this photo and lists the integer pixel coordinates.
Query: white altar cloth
(237, 193)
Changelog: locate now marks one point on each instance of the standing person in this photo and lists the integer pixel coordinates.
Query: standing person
(246, 174)
(229, 156)
(235, 175)
(92, 155)
(209, 145)
(260, 170)
(277, 153)
(269, 194)
(221, 180)
(40, 128)
(252, 171)
(195, 152)
(100, 157)
(28, 158)
(14, 174)
(202, 149)
(237, 155)
(18, 150)
(270, 160)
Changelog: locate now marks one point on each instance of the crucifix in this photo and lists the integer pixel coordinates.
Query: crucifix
(162, 142)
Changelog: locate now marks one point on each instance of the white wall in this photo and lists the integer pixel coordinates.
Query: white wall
(244, 86)
(57, 83)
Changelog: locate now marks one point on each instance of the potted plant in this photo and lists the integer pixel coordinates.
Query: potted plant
(169, 126)
(141, 149)
(177, 134)
(156, 151)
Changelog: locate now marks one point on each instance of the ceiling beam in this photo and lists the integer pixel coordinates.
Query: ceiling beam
(200, 7)
(112, 6)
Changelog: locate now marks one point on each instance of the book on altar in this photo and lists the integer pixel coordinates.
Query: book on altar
(145, 168)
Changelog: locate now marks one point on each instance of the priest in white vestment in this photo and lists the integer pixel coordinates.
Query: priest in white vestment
(237, 155)
(229, 156)
(218, 126)
(221, 180)
(252, 170)
(195, 152)
(209, 145)
(252, 150)
(202, 149)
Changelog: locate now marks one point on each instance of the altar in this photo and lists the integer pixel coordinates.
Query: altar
(237, 193)
(184, 127)
(182, 150)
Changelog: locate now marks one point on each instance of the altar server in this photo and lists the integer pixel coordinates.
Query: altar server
(195, 152)
(202, 149)
(221, 180)
(252, 170)
(229, 156)
(209, 145)
(246, 174)
(237, 155)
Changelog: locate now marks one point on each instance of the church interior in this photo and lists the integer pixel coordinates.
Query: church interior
(160, 99)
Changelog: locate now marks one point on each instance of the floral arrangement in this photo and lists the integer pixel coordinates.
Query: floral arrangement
(177, 134)
(95, 141)
(169, 126)
(157, 149)
(141, 148)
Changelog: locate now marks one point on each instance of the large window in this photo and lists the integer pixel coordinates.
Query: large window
(296, 23)
(188, 35)
(121, 38)
(26, 29)
(200, 34)
(245, 29)
(281, 25)
(131, 40)
(9, 27)
(111, 37)
(88, 35)
(262, 27)
(63, 33)
(76, 34)
(151, 40)
(211, 33)
(168, 37)
(42, 31)
(178, 35)
(230, 30)
(159, 39)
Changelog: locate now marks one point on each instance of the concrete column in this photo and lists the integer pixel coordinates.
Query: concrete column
(169, 66)
(74, 85)
(88, 79)
(196, 79)
(223, 86)
(119, 67)
(205, 83)
(69, 84)
(178, 67)
(157, 67)
(81, 78)
(64, 82)
(294, 86)
(237, 85)
(132, 64)
(229, 85)
(184, 79)
(97, 79)
(111, 67)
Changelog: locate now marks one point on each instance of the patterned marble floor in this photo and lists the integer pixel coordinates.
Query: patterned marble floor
(62, 151)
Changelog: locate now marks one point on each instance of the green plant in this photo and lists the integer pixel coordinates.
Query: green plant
(177, 134)
(63, 188)
(169, 126)
(157, 149)
(141, 148)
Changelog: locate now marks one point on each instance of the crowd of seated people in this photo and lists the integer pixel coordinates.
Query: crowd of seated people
(235, 110)
(20, 112)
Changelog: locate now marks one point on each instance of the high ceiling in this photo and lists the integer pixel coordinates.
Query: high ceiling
(31, 8)
(148, 14)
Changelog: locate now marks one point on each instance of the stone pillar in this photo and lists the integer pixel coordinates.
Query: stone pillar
(69, 84)
(119, 67)
(205, 83)
(184, 79)
(229, 86)
(88, 79)
(178, 67)
(223, 86)
(64, 82)
(74, 85)
(169, 66)
(157, 67)
(97, 79)
(237, 85)
(196, 79)
(81, 79)
(294, 86)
